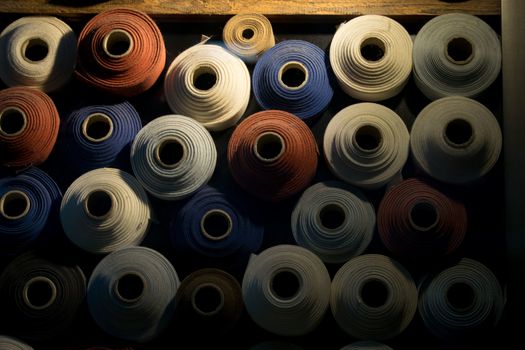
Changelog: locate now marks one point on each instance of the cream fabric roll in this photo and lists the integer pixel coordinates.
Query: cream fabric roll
(37, 52)
(208, 84)
(366, 144)
(456, 140)
(371, 57)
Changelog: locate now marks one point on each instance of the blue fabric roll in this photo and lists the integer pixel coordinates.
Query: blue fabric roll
(228, 244)
(87, 146)
(29, 206)
(306, 100)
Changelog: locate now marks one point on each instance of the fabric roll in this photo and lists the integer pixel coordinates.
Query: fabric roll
(366, 345)
(208, 84)
(418, 220)
(212, 229)
(371, 57)
(37, 52)
(294, 76)
(462, 301)
(373, 297)
(272, 155)
(456, 54)
(333, 220)
(10, 343)
(40, 296)
(208, 301)
(100, 136)
(456, 140)
(29, 209)
(248, 35)
(29, 124)
(104, 210)
(366, 144)
(275, 345)
(131, 293)
(121, 51)
(286, 290)
(173, 157)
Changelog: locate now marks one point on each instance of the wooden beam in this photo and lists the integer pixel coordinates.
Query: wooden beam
(181, 8)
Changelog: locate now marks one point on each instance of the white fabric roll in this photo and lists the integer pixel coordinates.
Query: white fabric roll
(224, 102)
(371, 57)
(10, 343)
(366, 345)
(456, 140)
(366, 144)
(173, 157)
(286, 290)
(373, 297)
(456, 54)
(333, 220)
(54, 47)
(248, 35)
(104, 210)
(463, 300)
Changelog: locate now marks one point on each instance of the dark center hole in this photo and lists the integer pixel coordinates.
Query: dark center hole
(204, 80)
(248, 33)
(14, 205)
(130, 286)
(269, 146)
(293, 76)
(99, 203)
(459, 49)
(374, 293)
(458, 132)
(118, 43)
(39, 293)
(285, 284)
(98, 128)
(332, 216)
(171, 152)
(12, 121)
(424, 215)
(216, 224)
(460, 295)
(36, 50)
(208, 299)
(372, 49)
(368, 137)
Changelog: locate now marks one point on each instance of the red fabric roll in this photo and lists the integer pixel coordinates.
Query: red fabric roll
(272, 155)
(417, 220)
(121, 51)
(29, 124)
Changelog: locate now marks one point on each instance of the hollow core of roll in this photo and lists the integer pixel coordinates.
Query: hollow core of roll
(285, 284)
(372, 49)
(14, 205)
(248, 33)
(13, 121)
(374, 293)
(97, 127)
(269, 146)
(204, 78)
(117, 43)
(35, 49)
(293, 75)
(459, 50)
(207, 299)
(460, 295)
(423, 216)
(130, 287)
(216, 224)
(170, 152)
(39, 293)
(458, 133)
(368, 138)
(332, 216)
(98, 204)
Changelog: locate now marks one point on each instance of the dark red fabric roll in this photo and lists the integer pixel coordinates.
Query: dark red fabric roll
(121, 51)
(418, 220)
(272, 155)
(29, 124)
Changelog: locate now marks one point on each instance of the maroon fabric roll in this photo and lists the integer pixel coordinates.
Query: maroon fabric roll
(29, 124)
(417, 220)
(272, 155)
(121, 51)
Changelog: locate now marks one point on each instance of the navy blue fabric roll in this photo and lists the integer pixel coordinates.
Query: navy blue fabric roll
(29, 206)
(211, 230)
(100, 136)
(294, 76)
